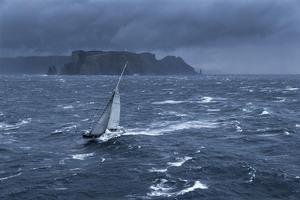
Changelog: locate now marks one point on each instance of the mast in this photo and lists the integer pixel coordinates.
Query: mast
(121, 75)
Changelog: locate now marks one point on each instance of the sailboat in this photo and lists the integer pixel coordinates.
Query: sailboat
(110, 118)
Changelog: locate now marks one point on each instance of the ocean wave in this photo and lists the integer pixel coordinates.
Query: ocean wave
(82, 156)
(289, 88)
(62, 80)
(213, 110)
(9, 177)
(169, 102)
(264, 112)
(68, 107)
(197, 185)
(237, 126)
(206, 100)
(173, 113)
(202, 100)
(280, 99)
(252, 173)
(179, 161)
(170, 127)
(161, 189)
(6, 127)
(158, 170)
(65, 129)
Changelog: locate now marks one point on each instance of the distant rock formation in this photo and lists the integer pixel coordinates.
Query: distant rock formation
(31, 64)
(112, 62)
(52, 71)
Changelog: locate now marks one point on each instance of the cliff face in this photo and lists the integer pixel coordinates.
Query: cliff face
(112, 62)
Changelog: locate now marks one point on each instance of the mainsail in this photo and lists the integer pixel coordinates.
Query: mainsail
(110, 117)
(114, 119)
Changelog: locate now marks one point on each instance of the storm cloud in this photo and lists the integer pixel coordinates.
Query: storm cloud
(237, 36)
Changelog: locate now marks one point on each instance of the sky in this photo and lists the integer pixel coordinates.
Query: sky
(218, 36)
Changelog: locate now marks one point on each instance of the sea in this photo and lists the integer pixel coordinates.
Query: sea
(187, 137)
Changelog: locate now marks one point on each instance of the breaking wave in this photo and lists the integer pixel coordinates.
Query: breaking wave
(161, 189)
(12, 176)
(179, 161)
(82, 156)
(6, 127)
(170, 127)
(168, 102)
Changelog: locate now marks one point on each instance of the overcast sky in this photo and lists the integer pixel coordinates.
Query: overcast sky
(233, 36)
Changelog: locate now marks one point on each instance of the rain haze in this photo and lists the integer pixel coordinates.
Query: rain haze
(219, 36)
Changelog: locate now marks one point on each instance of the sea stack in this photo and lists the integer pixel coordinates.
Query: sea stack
(52, 71)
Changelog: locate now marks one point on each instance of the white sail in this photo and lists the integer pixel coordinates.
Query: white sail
(110, 117)
(101, 125)
(114, 119)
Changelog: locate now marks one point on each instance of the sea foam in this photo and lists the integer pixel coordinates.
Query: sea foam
(170, 127)
(82, 156)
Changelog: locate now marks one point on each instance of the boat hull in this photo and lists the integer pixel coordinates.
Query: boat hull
(88, 135)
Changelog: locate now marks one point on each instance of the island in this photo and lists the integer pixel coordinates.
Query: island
(112, 62)
(96, 63)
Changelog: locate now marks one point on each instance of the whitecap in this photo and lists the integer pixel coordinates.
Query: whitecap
(297, 125)
(12, 176)
(170, 127)
(160, 189)
(62, 80)
(269, 135)
(280, 99)
(237, 126)
(173, 113)
(7, 127)
(65, 129)
(82, 156)
(158, 170)
(75, 169)
(197, 185)
(286, 133)
(68, 107)
(289, 88)
(84, 120)
(213, 110)
(61, 188)
(251, 172)
(168, 102)
(206, 99)
(264, 112)
(179, 161)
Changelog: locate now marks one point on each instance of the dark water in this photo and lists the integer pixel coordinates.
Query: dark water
(209, 137)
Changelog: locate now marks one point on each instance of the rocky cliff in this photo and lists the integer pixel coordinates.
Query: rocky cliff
(111, 63)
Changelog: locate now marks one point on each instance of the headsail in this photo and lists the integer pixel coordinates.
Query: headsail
(101, 125)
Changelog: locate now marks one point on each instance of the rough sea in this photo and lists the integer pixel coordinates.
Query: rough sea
(187, 137)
